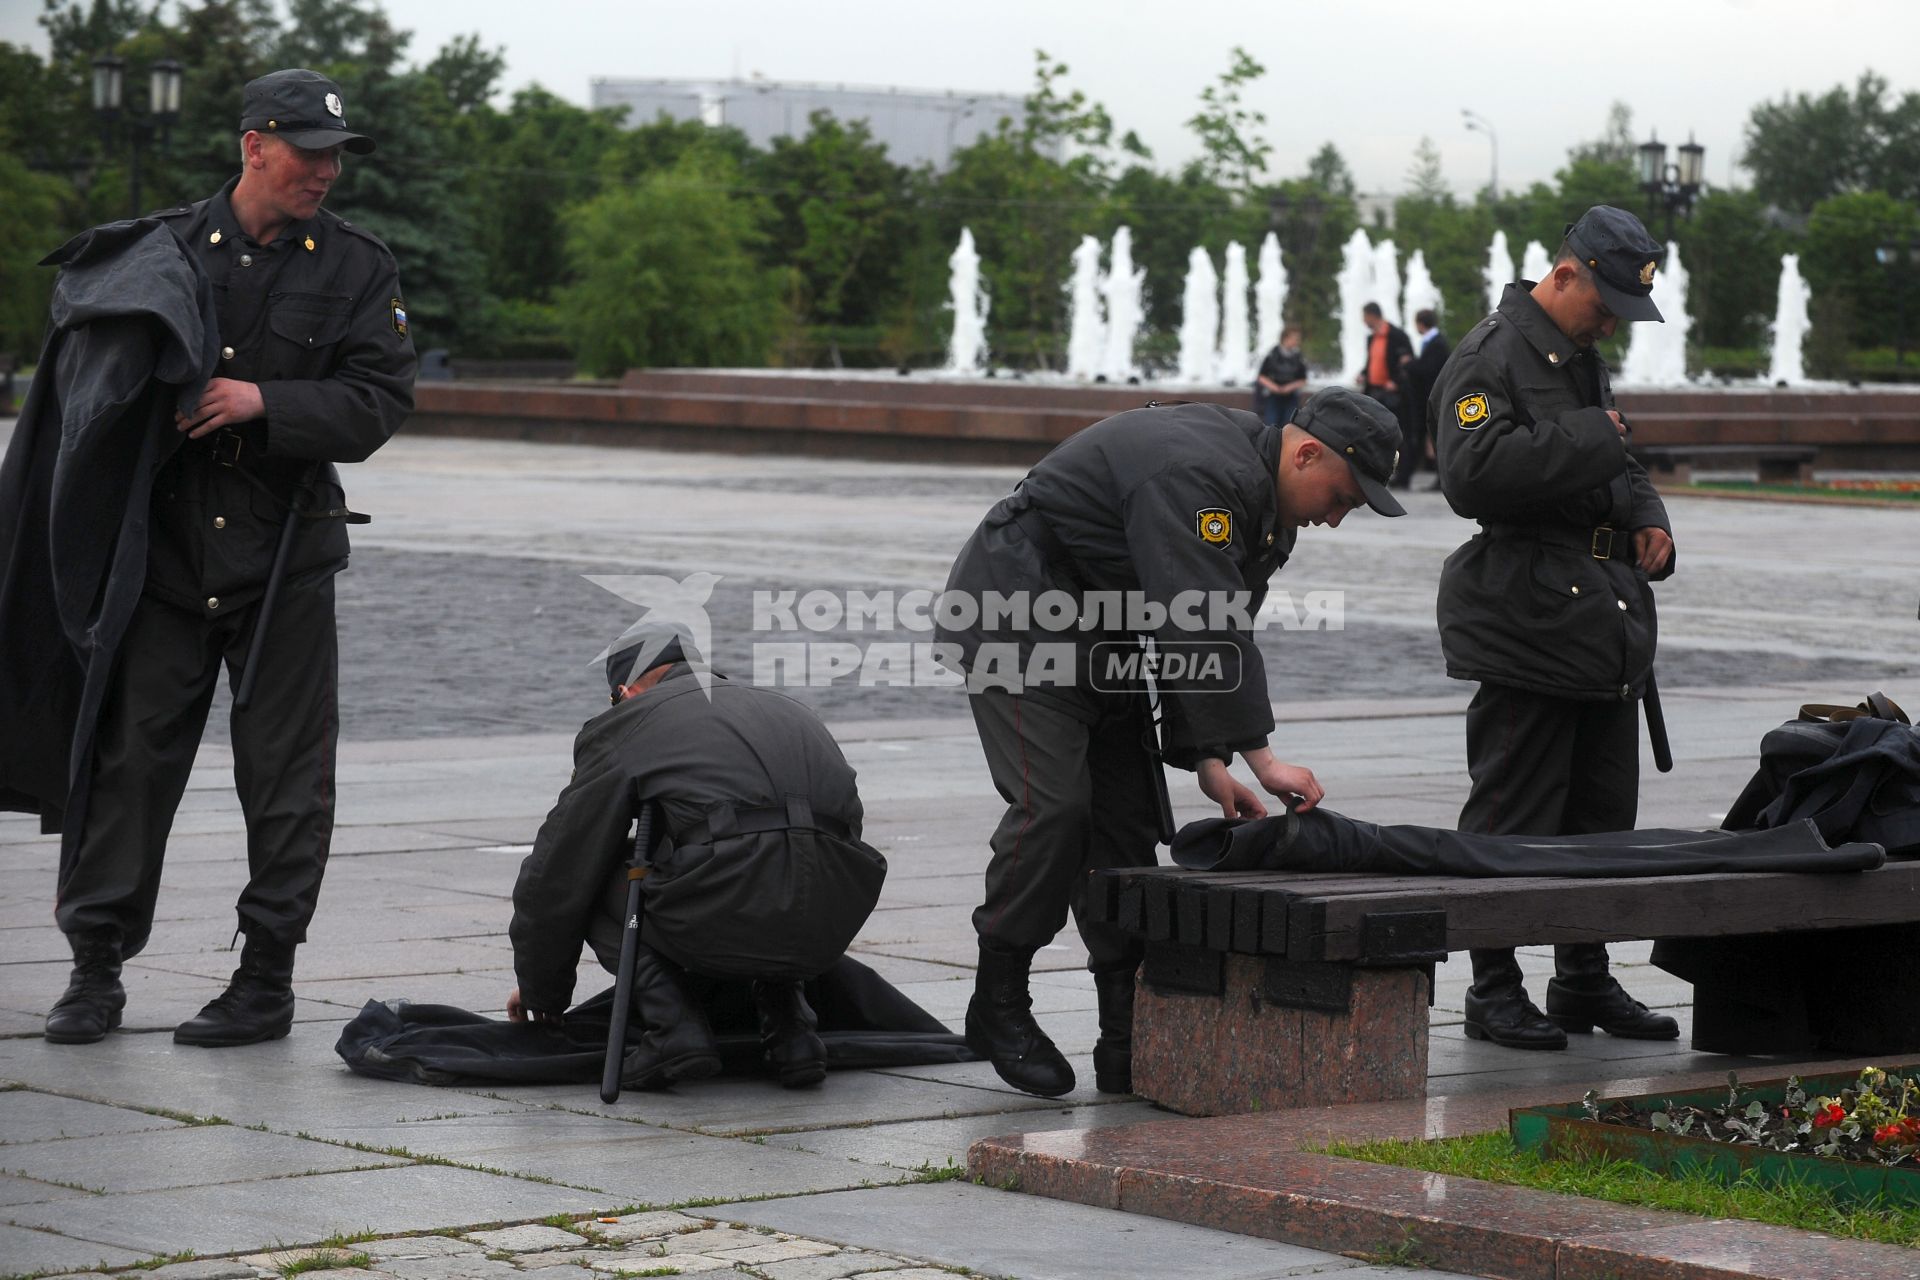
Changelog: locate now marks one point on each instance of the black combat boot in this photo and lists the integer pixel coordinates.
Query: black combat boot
(1000, 1027)
(1498, 1008)
(789, 1032)
(1113, 1052)
(90, 1007)
(1584, 995)
(678, 1043)
(256, 1006)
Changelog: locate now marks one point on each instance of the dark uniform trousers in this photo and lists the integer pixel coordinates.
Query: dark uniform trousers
(1547, 766)
(149, 732)
(1078, 799)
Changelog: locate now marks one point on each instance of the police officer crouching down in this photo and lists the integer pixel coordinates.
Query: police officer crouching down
(314, 366)
(1549, 607)
(1174, 506)
(762, 874)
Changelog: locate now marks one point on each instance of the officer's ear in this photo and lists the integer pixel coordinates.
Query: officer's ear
(1565, 275)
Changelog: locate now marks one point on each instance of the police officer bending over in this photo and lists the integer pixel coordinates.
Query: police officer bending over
(1153, 505)
(1549, 607)
(761, 874)
(315, 367)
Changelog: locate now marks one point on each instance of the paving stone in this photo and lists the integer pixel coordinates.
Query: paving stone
(463, 1266)
(181, 1157)
(417, 1247)
(535, 1263)
(28, 1251)
(683, 1263)
(30, 1191)
(713, 1238)
(277, 1259)
(544, 1262)
(526, 1239)
(205, 1269)
(27, 1116)
(836, 1266)
(774, 1251)
(640, 1226)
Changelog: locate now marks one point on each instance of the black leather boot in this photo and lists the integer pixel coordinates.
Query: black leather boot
(1584, 995)
(789, 1033)
(90, 1007)
(1498, 1009)
(678, 1044)
(1113, 1052)
(256, 1006)
(1000, 1027)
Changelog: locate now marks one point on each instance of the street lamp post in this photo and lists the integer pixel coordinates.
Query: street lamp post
(1900, 260)
(163, 108)
(1478, 124)
(1672, 186)
(1281, 210)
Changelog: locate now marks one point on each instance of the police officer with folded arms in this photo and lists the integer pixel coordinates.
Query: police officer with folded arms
(315, 366)
(1549, 606)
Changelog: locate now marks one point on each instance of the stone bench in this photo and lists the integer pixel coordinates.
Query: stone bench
(1673, 464)
(1267, 989)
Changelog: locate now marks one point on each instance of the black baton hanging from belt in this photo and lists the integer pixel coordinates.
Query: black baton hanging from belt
(1150, 744)
(637, 868)
(1657, 726)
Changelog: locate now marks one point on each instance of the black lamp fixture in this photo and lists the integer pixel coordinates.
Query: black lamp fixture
(1308, 213)
(166, 80)
(1672, 186)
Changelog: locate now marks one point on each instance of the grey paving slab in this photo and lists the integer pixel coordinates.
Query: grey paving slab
(290, 1211)
(838, 1266)
(633, 1163)
(14, 1190)
(27, 1251)
(201, 1155)
(27, 1116)
(932, 1144)
(204, 1269)
(1003, 1233)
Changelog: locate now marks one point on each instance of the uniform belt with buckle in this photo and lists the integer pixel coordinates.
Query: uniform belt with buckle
(1602, 544)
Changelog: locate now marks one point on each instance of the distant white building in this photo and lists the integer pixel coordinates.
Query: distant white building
(917, 126)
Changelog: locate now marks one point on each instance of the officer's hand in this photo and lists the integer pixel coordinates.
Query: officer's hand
(224, 402)
(1283, 779)
(1221, 787)
(1619, 423)
(518, 1012)
(1652, 548)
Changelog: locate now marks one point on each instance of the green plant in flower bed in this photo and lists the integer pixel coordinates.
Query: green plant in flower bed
(1875, 1120)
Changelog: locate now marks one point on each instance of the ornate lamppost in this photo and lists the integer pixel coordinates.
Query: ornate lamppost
(167, 78)
(1673, 187)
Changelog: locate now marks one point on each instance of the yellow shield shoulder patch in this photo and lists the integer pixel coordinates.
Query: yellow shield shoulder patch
(1471, 411)
(1214, 525)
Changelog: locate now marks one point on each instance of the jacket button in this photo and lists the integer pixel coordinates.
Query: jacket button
(1621, 603)
(1626, 691)
(220, 522)
(213, 602)
(226, 353)
(246, 259)
(1576, 591)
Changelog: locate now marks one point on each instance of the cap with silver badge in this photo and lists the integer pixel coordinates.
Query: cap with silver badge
(1622, 259)
(302, 106)
(1363, 433)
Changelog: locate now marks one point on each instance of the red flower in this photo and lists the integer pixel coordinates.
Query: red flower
(1831, 1114)
(1888, 1133)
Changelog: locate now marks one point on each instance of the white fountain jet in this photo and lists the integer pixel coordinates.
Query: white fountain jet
(1355, 287)
(1535, 264)
(1199, 318)
(1386, 282)
(967, 296)
(1790, 326)
(1422, 294)
(1233, 362)
(1086, 327)
(1656, 352)
(1269, 297)
(1498, 272)
(1123, 288)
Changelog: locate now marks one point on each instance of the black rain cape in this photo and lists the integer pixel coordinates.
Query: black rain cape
(864, 1022)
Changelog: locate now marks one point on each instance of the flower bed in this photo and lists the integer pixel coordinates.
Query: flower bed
(1859, 1135)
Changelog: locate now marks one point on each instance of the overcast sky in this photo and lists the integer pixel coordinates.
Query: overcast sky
(1370, 77)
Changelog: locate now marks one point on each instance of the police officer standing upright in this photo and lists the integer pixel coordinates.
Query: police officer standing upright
(315, 367)
(1548, 606)
(1172, 513)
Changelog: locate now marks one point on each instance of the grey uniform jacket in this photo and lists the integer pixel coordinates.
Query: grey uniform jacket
(1547, 596)
(318, 321)
(745, 747)
(1120, 507)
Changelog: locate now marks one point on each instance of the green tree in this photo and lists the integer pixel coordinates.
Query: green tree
(666, 272)
(1732, 252)
(1232, 151)
(1839, 262)
(1328, 171)
(29, 206)
(1803, 149)
(839, 217)
(1425, 180)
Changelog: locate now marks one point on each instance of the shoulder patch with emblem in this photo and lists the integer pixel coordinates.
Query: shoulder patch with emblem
(1471, 411)
(1214, 525)
(399, 310)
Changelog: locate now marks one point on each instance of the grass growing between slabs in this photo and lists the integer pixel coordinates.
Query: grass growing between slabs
(1492, 1157)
